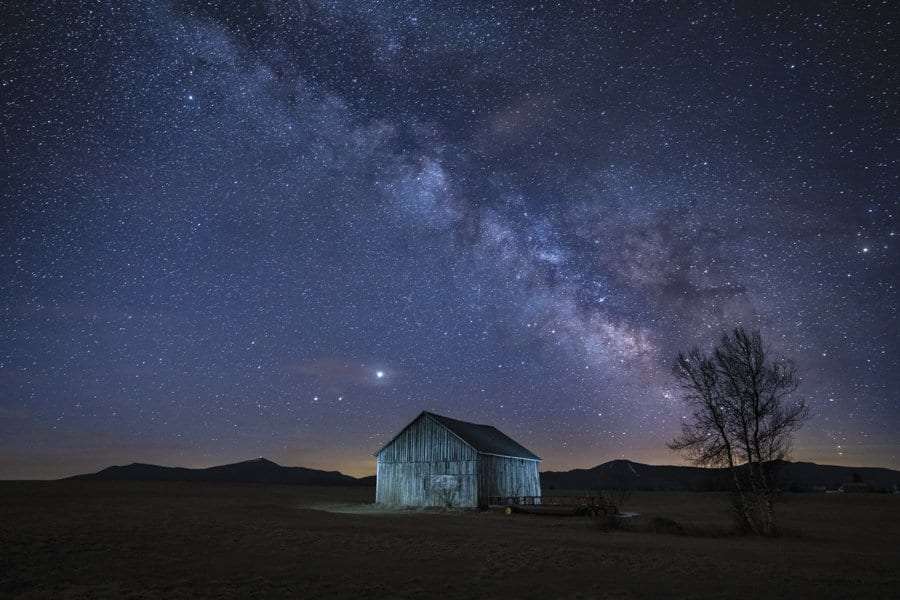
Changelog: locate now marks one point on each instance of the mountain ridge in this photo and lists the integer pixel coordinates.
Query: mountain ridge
(793, 476)
(257, 470)
(619, 473)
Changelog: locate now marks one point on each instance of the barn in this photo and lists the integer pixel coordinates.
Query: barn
(439, 461)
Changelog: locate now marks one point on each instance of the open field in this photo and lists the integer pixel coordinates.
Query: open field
(188, 540)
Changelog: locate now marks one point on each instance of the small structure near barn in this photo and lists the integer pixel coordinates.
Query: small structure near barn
(438, 461)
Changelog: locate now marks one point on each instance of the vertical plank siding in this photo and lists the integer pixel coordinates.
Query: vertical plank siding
(413, 483)
(502, 476)
(428, 465)
(426, 440)
(406, 468)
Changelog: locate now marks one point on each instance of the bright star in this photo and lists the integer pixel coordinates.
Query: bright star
(379, 374)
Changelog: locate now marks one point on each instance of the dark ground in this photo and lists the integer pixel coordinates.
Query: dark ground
(188, 540)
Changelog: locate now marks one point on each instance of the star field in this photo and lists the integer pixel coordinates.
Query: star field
(284, 228)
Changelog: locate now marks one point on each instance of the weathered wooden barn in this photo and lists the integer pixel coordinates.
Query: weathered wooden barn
(438, 461)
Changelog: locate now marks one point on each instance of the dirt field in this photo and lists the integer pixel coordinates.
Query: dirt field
(156, 540)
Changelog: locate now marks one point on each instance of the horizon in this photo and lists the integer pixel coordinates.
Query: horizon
(683, 463)
(363, 466)
(357, 467)
(235, 230)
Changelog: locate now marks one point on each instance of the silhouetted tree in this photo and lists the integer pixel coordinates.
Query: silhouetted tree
(742, 418)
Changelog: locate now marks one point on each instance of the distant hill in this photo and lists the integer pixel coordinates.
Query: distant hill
(259, 470)
(794, 476)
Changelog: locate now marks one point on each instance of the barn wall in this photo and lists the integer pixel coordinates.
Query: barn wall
(501, 476)
(435, 483)
(427, 465)
(425, 440)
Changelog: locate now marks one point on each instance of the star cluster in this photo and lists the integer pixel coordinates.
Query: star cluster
(284, 228)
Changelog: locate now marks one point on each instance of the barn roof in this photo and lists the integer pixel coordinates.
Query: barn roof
(482, 438)
(485, 438)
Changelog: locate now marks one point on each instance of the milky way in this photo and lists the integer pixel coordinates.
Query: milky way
(284, 228)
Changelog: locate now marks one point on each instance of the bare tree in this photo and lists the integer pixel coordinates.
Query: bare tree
(742, 419)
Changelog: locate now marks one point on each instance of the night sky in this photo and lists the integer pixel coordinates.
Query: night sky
(283, 228)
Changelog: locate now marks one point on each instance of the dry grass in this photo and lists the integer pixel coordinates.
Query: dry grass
(155, 540)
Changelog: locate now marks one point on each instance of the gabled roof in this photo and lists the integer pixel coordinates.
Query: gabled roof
(485, 439)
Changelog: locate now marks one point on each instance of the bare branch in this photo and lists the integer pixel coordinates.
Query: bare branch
(742, 418)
